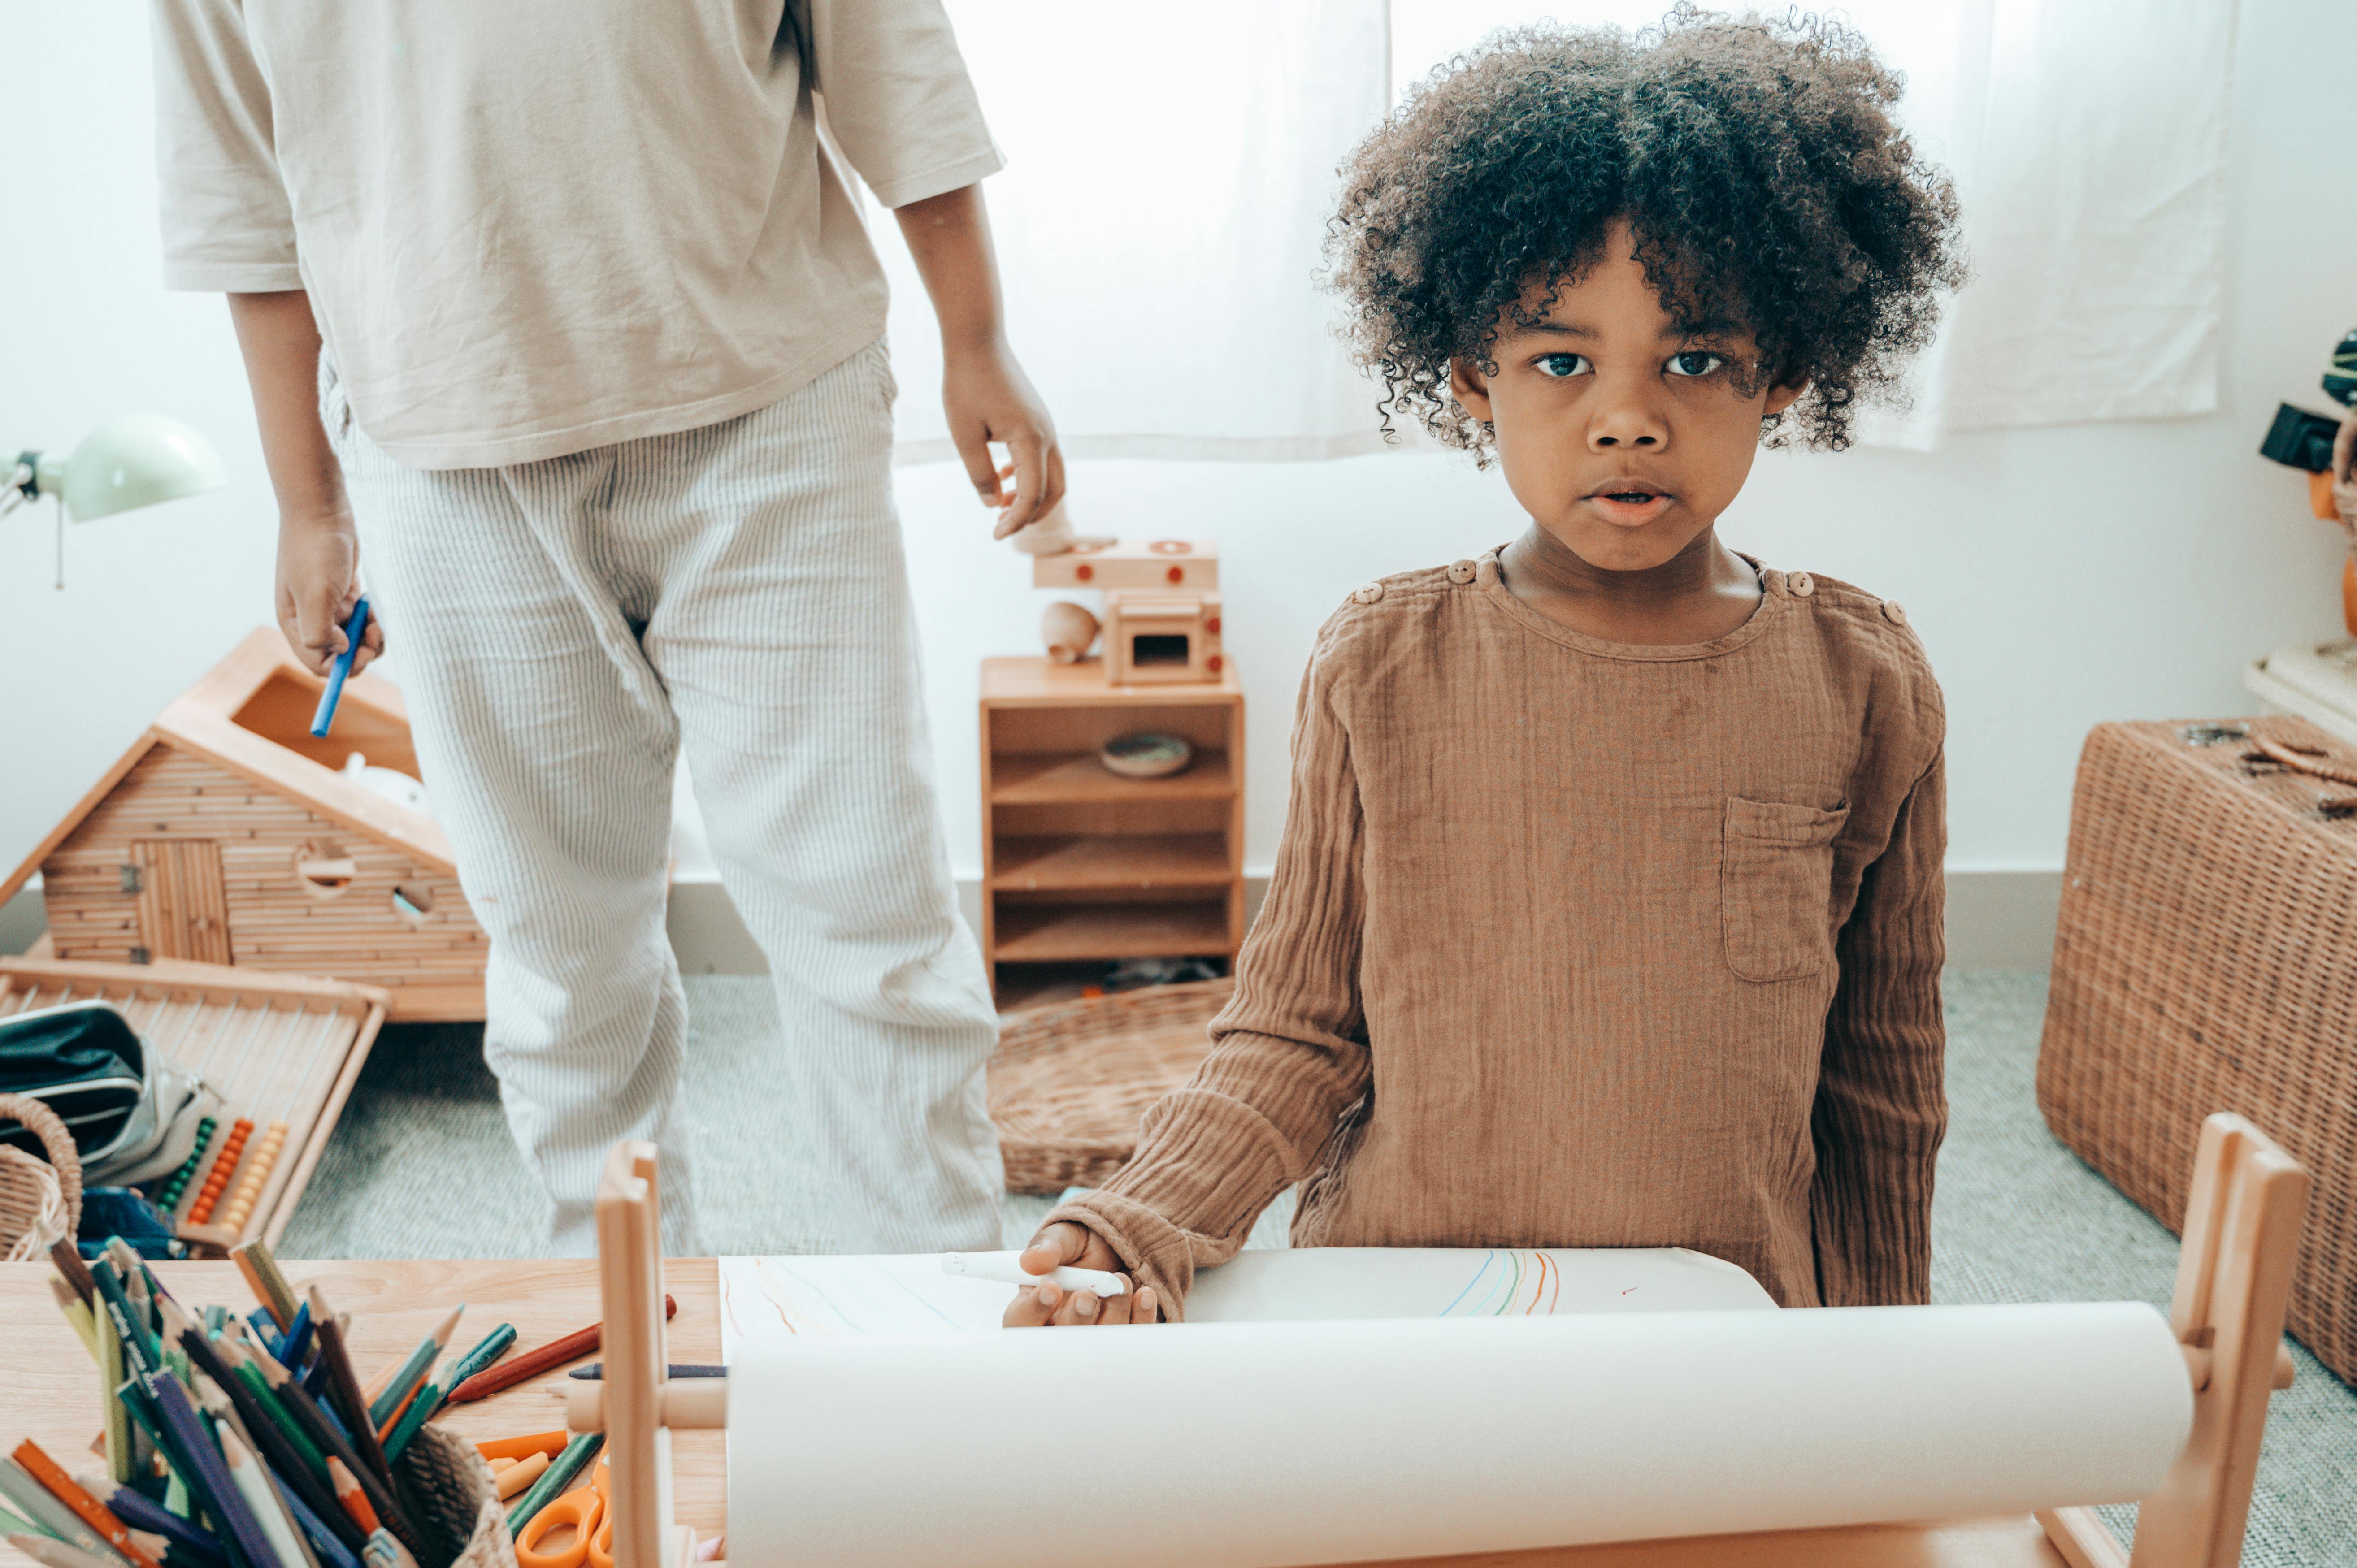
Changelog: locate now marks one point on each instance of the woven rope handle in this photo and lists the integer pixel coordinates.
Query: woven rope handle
(2278, 752)
(64, 1160)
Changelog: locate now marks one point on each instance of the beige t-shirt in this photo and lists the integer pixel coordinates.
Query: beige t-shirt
(531, 227)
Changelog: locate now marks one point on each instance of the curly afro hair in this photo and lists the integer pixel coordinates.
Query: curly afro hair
(1755, 160)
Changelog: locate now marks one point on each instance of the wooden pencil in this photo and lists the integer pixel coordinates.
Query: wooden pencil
(55, 1554)
(532, 1363)
(89, 1510)
(409, 1374)
(346, 1388)
(355, 1501)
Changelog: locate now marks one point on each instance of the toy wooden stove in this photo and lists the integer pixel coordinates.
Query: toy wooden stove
(1162, 602)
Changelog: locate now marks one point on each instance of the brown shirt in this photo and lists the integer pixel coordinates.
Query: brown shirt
(1579, 943)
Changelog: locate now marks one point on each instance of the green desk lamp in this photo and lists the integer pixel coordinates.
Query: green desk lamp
(134, 460)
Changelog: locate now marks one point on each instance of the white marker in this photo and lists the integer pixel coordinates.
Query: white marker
(1004, 1268)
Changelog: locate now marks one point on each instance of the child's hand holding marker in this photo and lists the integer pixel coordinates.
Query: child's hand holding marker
(1048, 1305)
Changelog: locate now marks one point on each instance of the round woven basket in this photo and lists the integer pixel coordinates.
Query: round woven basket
(1070, 1081)
(41, 1204)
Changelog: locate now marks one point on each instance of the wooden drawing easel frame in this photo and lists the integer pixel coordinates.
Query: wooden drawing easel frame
(2241, 1242)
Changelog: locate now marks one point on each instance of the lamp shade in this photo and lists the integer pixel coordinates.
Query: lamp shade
(134, 460)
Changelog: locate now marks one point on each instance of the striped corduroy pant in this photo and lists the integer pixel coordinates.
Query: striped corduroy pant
(561, 628)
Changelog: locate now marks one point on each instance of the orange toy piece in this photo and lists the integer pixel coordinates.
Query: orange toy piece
(519, 1476)
(217, 1179)
(550, 1443)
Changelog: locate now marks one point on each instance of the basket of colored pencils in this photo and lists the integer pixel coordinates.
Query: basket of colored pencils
(41, 1204)
(249, 1443)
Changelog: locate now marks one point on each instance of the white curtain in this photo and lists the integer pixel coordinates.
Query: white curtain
(1169, 173)
(2088, 138)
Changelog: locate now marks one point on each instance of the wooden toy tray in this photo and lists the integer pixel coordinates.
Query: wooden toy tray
(278, 1052)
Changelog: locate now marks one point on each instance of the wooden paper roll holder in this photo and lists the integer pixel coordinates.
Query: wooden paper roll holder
(2241, 1231)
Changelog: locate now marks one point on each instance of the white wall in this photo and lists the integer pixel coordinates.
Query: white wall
(2058, 576)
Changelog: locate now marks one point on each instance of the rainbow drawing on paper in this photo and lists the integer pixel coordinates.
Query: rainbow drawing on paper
(1497, 1287)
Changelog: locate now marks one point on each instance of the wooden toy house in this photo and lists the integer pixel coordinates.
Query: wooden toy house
(226, 835)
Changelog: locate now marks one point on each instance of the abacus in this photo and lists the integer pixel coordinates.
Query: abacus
(278, 1053)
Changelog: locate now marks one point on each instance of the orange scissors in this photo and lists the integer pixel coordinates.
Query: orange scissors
(587, 1512)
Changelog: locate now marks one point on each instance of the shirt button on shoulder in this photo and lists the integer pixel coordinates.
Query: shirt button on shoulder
(1369, 594)
(1800, 585)
(1892, 613)
(1462, 572)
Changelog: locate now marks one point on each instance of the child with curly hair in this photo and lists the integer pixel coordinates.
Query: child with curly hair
(1608, 908)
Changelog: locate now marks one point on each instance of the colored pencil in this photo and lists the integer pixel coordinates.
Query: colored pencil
(346, 1388)
(52, 1553)
(493, 1346)
(120, 1448)
(270, 1431)
(332, 1440)
(207, 1472)
(260, 1267)
(68, 1258)
(421, 1408)
(78, 1315)
(89, 1510)
(273, 1409)
(142, 1512)
(245, 1473)
(411, 1371)
(532, 1363)
(44, 1511)
(297, 1342)
(323, 1534)
(559, 1474)
(137, 1335)
(385, 1552)
(355, 1501)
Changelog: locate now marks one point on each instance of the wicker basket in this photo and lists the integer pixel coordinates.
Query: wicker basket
(1070, 1081)
(2206, 959)
(41, 1204)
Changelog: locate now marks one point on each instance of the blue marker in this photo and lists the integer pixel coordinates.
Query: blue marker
(328, 698)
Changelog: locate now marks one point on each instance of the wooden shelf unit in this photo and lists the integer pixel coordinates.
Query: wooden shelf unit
(1081, 864)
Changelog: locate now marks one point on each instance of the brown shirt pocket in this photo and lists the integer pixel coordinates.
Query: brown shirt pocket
(1775, 885)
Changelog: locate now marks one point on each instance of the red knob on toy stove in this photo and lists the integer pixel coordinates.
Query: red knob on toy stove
(1213, 626)
(1213, 663)
(1085, 571)
(1178, 574)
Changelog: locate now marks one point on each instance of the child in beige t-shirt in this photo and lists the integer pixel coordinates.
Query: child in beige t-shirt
(1608, 912)
(562, 321)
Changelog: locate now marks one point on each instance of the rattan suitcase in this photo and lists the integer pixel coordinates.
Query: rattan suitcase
(2206, 959)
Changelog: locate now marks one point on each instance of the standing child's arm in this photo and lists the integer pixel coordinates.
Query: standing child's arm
(228, 227)
(900, 107)
(1880, 1108)
(318, 552)
(1290, 1052)
(985, 392)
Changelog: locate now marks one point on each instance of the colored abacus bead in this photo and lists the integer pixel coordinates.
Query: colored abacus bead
(257, 1172)
(217, 1179)
(169, 1199)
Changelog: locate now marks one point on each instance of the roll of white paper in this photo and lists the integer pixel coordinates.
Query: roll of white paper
(1271, 1444)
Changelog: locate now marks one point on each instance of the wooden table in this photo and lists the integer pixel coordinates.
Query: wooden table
(48, 1391)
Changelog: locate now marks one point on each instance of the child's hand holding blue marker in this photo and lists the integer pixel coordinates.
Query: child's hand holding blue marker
(355, 638)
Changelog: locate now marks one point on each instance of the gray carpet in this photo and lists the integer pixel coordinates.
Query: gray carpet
(421, 1167)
